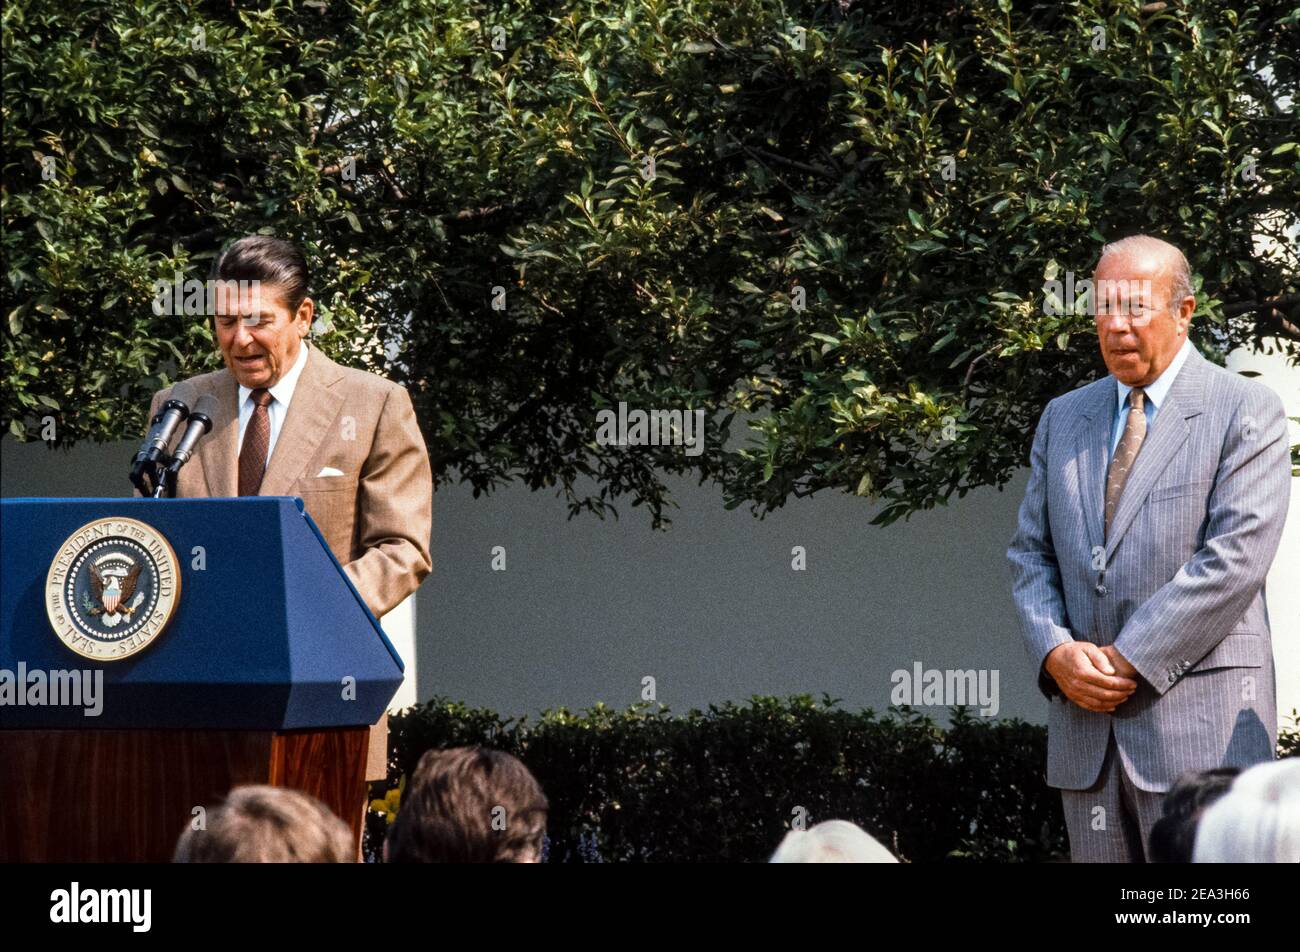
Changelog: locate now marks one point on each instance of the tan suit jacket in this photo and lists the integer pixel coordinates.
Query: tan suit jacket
(376, 516)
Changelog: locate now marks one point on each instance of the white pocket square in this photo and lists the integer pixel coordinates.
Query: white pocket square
(329, 471)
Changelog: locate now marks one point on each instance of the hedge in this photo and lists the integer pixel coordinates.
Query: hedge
(725, 784)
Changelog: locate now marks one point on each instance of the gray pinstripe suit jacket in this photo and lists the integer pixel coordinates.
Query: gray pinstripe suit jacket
(1178, 587)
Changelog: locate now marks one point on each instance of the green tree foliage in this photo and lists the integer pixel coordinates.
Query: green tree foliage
(826, 225)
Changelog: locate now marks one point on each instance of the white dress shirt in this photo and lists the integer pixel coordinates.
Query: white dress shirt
(281, 394)
(1154, 394)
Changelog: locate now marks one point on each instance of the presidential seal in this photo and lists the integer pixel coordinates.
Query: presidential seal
(112, 588)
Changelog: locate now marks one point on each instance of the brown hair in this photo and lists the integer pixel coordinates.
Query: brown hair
(272, 261)
(257, 824)
(469, 805)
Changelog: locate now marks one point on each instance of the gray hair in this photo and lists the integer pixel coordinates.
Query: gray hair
(1181, 286)
(1256, 821)
(835, 841)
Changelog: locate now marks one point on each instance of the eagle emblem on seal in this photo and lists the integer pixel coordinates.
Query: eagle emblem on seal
(112, 582)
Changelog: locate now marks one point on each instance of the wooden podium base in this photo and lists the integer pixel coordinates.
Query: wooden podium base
(72, 796)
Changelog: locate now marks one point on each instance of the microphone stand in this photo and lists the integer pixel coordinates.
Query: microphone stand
(166, 483)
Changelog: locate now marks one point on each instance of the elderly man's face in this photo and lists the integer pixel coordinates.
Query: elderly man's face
(1140, 329)
(258, 335)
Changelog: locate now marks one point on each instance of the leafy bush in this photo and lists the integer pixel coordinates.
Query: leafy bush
(724, 785)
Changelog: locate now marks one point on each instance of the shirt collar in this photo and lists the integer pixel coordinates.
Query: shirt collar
(283, 389)
(1158, 389)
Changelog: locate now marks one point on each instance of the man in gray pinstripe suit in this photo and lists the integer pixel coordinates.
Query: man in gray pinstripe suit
(1154, 508)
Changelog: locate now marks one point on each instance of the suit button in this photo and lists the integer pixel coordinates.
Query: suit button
(1101, 589)
(1173, 676)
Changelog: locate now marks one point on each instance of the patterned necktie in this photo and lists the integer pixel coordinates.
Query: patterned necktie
(257, 439)
(1135, 431)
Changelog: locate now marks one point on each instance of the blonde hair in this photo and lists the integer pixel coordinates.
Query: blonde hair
(260, 824)
(834, 841)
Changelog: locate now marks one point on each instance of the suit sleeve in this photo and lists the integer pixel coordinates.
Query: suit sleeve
(1036, 575)
(1193, 611)
(394, 509)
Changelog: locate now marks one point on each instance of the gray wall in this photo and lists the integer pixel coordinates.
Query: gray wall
(711, 608)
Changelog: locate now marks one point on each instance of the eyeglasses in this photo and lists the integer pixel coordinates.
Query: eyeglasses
(1138, 316)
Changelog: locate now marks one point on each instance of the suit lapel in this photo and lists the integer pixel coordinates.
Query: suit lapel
(1093, 447)
(312, 412)
(1168, 434)
(219, 451)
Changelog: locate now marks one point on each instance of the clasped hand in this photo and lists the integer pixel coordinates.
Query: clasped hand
(1097, 678)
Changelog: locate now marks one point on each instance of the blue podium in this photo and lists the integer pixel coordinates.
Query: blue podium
(156, 652)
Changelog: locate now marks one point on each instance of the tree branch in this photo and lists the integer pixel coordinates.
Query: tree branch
(792, 163)
(1273, 317)
(970, 370)
(1242, 307)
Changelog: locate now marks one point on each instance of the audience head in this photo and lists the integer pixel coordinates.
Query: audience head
(469, 805)
(257, 824)
(834, 841)
(1174, 834)
(1257, 820)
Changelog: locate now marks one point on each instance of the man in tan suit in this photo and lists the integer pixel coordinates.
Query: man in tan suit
(291, 422)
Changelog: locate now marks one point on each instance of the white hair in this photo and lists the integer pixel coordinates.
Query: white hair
(1181, 285)
(1256, 821)
(835, 841)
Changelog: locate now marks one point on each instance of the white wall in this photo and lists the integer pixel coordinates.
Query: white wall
(1283, 585)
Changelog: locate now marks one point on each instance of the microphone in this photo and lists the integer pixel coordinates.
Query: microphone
(200, 424)
(152, 454)
(160, 435)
